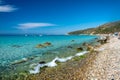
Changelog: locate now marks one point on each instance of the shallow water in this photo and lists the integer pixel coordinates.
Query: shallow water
(23, 48)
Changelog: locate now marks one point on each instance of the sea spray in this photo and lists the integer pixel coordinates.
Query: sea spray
(53, 62)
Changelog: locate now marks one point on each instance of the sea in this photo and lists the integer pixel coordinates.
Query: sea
(23, 52)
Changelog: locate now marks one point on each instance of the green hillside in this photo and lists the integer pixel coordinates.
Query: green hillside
(103, 29)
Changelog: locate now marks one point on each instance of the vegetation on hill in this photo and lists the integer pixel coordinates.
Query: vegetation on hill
(103, 29)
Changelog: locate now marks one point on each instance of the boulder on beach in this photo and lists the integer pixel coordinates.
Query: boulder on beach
(103, 40)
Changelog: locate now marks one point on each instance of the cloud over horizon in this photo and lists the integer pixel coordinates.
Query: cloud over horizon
(33, 25)
(6, 7)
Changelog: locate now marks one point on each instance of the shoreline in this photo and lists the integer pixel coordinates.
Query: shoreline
(21, 74)
(106, 65)
(65, 71)
(83, 69)
(72, 69)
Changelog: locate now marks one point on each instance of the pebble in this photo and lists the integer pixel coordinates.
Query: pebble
(106, 66)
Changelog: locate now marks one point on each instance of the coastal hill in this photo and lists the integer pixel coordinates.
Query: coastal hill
(102, 29)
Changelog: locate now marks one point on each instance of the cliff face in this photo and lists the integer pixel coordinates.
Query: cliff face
(103, 29)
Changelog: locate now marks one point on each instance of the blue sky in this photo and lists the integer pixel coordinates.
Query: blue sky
(55, 16)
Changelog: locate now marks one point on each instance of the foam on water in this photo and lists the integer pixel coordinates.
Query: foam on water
(49, 64)
(64, 59)
(37, 69)
(53, 62)
(81, 53)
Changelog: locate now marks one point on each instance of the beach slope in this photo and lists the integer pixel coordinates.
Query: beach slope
(102, 64)
(106, 66)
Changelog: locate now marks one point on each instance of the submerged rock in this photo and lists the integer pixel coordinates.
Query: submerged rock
(79, 49)
(19, 61)
(69, 47)
(16, 46)
(22, 60)
(31, 58)
(73, 41)
(22, 75)
(47, 44)
(44, 45)
(85, 44)
(40, 46)
(42, 62)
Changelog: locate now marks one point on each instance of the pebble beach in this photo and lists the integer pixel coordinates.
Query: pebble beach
(106, 65)
(101, 64)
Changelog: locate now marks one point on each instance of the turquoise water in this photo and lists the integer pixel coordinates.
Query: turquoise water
(14, 48)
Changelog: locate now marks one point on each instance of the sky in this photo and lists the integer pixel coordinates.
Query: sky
(55, 16)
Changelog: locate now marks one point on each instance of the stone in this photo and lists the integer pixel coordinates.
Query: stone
(47, 44)
(19, 61)
(42, 62)
(79, 49)
(16, 46)
(39, 46)
(69, 47)
(90, 48)
(73, 41)
(85, 44)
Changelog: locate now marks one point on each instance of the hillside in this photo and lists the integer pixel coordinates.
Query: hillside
(103, 29)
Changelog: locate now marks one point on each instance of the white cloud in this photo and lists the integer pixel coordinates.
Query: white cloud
(33, 25)
(7, 8)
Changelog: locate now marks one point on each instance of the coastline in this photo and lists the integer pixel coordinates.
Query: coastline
(96, 65)
(60, 72)
(71, 70)
(106, 65)
(16, 72)
(83, 67)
